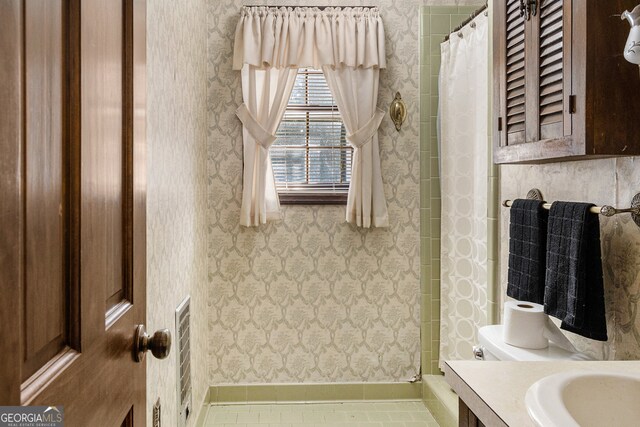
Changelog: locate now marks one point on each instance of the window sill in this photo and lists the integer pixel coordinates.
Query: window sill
(312, 199)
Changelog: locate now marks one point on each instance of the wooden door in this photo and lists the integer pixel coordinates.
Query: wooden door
(72, 212)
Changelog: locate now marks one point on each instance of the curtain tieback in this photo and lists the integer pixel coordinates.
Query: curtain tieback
(256, 130)
(366, 132)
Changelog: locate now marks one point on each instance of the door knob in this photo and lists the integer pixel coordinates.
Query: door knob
(159, 343)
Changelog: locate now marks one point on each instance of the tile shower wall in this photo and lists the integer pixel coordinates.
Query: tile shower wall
(311, 298)
(176, 204)
(607, 181)
(436, 22)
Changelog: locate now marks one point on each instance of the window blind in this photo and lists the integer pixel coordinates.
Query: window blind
(311, 157)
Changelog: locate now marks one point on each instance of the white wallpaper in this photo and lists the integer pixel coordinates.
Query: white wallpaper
(176, 204)
(451, 2)
(607, 181)
(311, 298)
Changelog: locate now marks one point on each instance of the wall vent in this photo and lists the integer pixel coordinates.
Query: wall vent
(183, 358)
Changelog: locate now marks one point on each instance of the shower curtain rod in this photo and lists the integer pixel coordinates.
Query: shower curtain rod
(469, 19)
(296, 7)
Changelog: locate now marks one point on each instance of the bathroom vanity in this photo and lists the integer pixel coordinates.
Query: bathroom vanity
(493, 393)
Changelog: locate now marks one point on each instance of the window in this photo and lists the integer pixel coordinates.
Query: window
(311, 158)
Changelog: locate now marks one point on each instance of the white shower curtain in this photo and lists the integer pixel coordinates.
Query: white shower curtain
(464, 157)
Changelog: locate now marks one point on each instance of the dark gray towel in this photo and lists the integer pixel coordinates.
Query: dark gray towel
(574, 287)
(527, 250)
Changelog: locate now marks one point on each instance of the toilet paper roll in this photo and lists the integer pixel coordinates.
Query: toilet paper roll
(525, 324)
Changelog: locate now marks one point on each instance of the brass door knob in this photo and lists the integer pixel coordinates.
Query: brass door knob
(159, 343)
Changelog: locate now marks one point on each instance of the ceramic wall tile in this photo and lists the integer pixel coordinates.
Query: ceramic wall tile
(607, 181)
(311, 298)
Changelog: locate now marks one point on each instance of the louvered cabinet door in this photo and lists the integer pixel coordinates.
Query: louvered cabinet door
(512, 81)
(551, 32)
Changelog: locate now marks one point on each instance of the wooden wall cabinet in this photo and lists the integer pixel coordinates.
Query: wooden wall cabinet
(562, 89)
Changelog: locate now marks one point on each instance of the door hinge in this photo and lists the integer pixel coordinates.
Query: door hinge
(572, 104)
(156, 420)
(499, 124)
(528, 8)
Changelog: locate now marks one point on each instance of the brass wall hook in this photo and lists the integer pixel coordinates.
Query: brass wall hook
(398, 111)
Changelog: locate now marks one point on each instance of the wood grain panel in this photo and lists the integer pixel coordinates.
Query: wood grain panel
(113, 146)
(102, 152)
(45, 207)
(128, 421)
(612, 103)
(136, 12)
(11, 220)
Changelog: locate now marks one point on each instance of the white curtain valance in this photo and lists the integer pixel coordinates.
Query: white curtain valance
(288, 37)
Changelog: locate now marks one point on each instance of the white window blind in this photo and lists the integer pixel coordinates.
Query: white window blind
(311, 158)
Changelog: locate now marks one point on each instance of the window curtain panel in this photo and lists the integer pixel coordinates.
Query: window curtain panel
(464, 154)
(265, 94)
(348, 45)
(356, 93)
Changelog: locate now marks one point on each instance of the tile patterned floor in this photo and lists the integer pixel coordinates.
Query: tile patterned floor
(352, 414)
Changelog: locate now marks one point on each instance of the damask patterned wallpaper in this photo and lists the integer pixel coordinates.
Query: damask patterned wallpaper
(176, 191)
(607, 181)
(311, 298)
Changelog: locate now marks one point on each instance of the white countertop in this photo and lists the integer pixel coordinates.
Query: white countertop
(495, 391)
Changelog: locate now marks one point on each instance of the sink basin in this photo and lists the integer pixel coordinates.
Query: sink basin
(585, 399)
